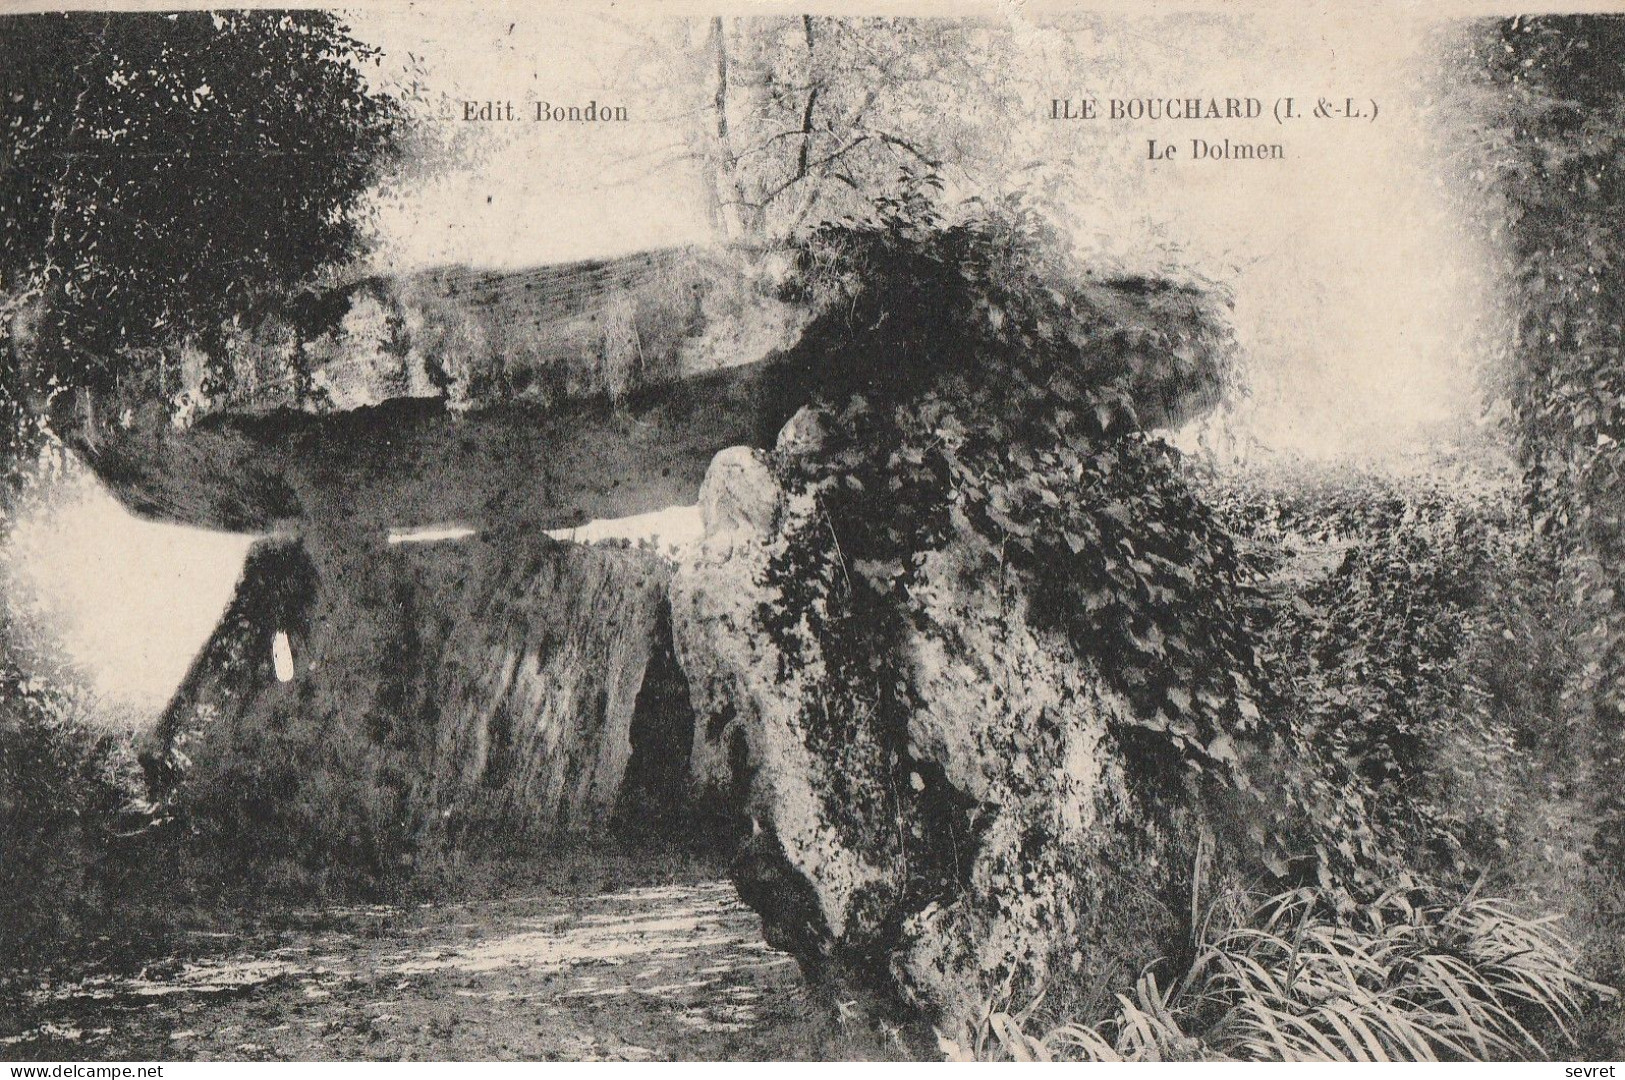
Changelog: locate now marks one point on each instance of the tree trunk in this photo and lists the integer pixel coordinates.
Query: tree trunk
(732, 215)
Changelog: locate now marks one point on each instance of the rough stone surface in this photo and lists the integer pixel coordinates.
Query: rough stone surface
(538, 683)
(492, 682)
(938, 812)
(547, 396)
(412, 462)
(806, 433)
(738, 496)
(750, 754)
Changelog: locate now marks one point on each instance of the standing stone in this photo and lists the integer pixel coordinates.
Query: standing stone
(490, 686)
(935, 809)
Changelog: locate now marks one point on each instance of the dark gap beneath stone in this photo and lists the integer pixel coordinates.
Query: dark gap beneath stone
(655, 799)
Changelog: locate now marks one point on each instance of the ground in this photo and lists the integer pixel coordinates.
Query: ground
(675, 970)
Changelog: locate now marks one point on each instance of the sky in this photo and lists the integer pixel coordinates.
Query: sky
(523, 193)
(129, 601)
(1358, 295)
(1357, 292)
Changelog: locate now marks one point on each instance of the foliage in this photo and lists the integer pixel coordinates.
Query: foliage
(1553, 111)
(1141, 577)
(1423, 649)
(1430, 655)
(913, 293)
(812, 117)
(1029, 384)
(1416, 975)
(66, 790)
(161, 174)
(164, 170)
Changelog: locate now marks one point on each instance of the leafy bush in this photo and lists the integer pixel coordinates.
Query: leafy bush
(1417, 975)
(118, 250)
(66, 792)
(996, 292)
(1431, 658)
(1546, 94)
(1420, 646)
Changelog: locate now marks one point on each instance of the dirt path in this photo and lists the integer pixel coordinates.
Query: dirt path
(670, 971)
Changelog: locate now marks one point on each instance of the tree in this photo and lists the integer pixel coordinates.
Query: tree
(815, 116)
(160, 172)
(158, 175)
(795, 120)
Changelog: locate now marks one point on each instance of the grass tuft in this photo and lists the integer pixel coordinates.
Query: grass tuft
(1417, 975)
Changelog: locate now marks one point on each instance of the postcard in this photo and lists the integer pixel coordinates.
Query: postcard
(1000, 532)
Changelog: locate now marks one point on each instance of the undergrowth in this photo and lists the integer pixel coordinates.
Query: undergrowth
(1416, 975)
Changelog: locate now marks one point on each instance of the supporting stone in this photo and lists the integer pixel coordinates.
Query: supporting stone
(935, 809)
(502, 686)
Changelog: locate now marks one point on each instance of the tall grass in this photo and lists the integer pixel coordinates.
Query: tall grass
(1414, 976)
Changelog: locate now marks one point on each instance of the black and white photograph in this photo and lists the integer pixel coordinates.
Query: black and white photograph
(623, 532)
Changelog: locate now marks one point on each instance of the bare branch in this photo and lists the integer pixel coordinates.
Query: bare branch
(819, 164)
(812, 101)
(903, 144)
